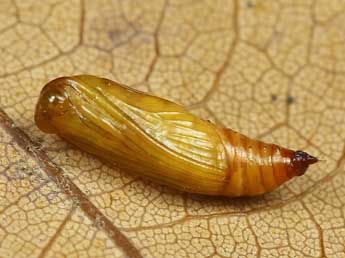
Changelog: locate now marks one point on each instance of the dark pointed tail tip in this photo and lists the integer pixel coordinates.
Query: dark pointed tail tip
(301, 161)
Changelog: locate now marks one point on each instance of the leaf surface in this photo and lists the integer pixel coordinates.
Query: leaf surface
(273, 70)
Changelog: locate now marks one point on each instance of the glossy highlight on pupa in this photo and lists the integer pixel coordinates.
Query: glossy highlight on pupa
(160, 140)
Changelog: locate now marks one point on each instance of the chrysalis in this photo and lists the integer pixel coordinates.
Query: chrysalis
(162, 141)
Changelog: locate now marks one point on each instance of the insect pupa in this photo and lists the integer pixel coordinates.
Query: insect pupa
(160, 140)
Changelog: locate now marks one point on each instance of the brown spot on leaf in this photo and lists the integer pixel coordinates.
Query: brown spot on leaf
(290, 100)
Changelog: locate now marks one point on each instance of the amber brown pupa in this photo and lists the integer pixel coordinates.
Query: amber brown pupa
(161, 140)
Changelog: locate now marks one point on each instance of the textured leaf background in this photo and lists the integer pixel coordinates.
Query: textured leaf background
(274, 70)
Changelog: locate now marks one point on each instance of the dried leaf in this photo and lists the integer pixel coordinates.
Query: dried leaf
(270, 69)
